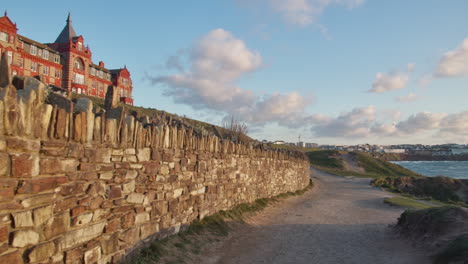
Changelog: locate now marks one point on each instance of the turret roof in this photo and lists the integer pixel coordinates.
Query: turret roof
(67, 33)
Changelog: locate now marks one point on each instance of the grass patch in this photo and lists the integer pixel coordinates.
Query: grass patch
(326, 158)
(407, 203)
(380, 167)
(457, 250)
(185, 246)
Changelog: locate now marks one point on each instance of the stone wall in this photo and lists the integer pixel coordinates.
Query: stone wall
(79, 184)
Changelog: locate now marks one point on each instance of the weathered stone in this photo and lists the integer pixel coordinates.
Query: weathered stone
(177, 193)
(3, 234)
(23, 219)
(74, 256)
(144, 154)
(129, 187)
(4, 164)
(130, 236)
(24, 237)
(11, 257)
(46, 113)
(111, 131)
(114, 192)
(142, 218)
(110, 244)
(128, 220)
(57, 225)
(135, 198)
(108, 175)
(113, 225)
(83, 219)
(112, 97)
(6, 194)
(42, 252)
(24, 165)
(74, 188)
(148, 229)
(38, 200)
(53, 166)
(23, 144)
(164, 170)
(42, 215)
(99, 155)
(131, 174)
(5, 71)
(93, 255)
(85, 105)
(41, 184)
(75, 237)
(60, 101)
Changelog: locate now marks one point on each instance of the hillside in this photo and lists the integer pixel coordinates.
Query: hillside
(390, 176)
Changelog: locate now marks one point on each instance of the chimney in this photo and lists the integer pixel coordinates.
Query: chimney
(101, 64)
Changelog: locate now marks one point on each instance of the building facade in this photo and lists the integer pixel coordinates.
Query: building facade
(66, 63)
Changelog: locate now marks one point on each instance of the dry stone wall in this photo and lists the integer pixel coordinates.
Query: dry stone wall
(83, 185)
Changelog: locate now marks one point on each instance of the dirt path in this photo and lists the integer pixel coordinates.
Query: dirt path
(341, 221)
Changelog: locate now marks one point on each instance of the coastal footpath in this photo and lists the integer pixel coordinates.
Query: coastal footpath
(83, 184)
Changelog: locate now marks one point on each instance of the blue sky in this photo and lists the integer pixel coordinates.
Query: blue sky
(332, 71)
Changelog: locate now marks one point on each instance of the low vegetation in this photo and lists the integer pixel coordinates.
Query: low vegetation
(186, 246)
(442, 229)
(408, 203)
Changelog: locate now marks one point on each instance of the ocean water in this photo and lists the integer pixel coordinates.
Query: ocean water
(453, 169)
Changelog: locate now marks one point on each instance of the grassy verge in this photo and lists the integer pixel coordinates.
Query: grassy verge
(188, 244)
(407, 203)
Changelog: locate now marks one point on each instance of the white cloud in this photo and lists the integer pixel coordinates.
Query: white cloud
(411, 97)
(385, 82)
(454, 124)
(356, 123)
(306, 12)
(420, 122)
(215, 63)
(454, 63)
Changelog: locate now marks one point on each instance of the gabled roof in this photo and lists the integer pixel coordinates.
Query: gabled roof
(5, 20)
(67, 33)
(35, 43)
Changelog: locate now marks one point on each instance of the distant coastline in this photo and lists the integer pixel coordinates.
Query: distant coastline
(414, 157)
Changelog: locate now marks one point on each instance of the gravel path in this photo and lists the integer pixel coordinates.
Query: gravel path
(343, 220)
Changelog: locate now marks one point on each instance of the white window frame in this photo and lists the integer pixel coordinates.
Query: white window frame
(45, 54)
(58, 74)
(33, 50)
(45, 70)
(4, 36)
(78, 78)
(10, 57)
(33, 66)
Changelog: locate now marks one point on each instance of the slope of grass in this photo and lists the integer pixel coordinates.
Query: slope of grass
(407, 203)
(188, 244)
(380, 167)
(326, 159)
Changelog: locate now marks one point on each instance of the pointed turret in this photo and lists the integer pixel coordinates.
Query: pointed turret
(67, 33)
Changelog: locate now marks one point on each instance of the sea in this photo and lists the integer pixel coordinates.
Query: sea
(453, 169)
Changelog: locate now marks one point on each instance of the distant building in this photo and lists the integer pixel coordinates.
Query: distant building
(459, 151)
(279, 142)
(397, 151)
(301, 144)
(65, 63)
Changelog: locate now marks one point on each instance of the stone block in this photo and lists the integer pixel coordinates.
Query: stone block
(83, 219)
(110, 244)
(6, 194)
(75, 237)
(148, 229)
(108, 175)
(130, 236)
(135, 198)
(38, 200)
(42, 252)
(53, 166)
(142, 218)
(23, 219)
(23, 144)
(11, 257)
(42, 215)
(131, 174)
(151, 167)
(40, 184)
(4, 164)
(113, 225)
(144, 154)
(177, 193)
(114, 192)
(99, 155)
(24, 165)
(24, 238)
(74, 256)
(92, 256)
(57, 225)
(129, 187)
(74, 188)
(164, 170)
(128, 220)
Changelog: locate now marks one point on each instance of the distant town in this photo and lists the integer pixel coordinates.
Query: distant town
(413, 149)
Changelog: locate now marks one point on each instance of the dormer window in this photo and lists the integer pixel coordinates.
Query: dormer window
(57, 59)
(78, 64)
(33, 50)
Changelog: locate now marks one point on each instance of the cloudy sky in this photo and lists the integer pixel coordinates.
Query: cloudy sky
(330, 71)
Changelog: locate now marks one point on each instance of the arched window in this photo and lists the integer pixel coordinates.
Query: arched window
(78, 64)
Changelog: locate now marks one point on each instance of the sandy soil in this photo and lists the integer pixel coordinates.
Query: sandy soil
(342, 220)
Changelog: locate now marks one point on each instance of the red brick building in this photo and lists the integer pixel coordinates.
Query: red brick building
(65, 63)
